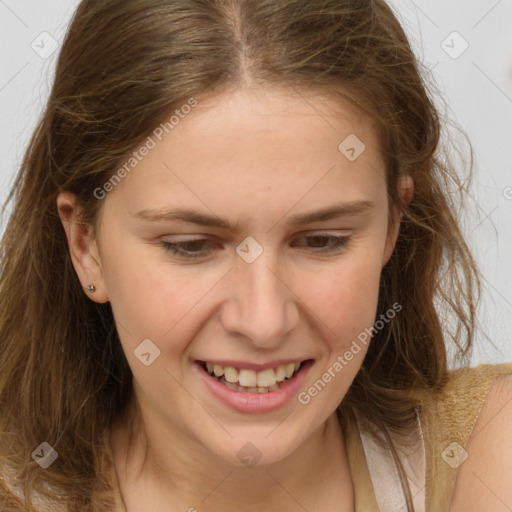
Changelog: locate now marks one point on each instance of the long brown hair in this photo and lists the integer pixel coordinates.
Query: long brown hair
(123, 66)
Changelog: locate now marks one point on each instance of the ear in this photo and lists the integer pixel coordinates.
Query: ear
(83, 247)
(405, 193)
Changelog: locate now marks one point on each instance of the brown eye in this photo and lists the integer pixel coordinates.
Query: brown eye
(190, 248)
(319, 242)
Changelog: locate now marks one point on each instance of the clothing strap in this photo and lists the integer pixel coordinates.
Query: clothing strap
(384, 472)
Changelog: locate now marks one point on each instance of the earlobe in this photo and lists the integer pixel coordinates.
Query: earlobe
(405, 189)
(83, 248)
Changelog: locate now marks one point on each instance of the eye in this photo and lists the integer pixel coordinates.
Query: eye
(186, 249)
(338, 242)
(202, 247)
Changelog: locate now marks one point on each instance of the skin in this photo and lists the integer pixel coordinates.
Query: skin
(257, 158)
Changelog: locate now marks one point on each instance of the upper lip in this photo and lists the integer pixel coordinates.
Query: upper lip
(253, 366)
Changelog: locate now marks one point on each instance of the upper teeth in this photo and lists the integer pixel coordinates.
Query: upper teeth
(250, 378)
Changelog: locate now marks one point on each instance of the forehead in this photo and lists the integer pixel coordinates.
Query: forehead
(260, 148)
(306, 114)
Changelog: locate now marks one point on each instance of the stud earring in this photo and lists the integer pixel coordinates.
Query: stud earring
(91, 288)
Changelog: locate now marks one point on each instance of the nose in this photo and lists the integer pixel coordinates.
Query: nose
(261, 305)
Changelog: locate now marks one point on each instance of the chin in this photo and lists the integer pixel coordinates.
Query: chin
(259, 446)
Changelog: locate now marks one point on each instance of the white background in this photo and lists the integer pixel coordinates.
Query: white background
(477, 91)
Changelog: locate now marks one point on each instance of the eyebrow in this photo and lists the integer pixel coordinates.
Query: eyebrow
(204, 219)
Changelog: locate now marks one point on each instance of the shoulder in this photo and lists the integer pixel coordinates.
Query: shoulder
(449, 419)
(475, 379)
(452, 413)
(484, 476)
(465, 392)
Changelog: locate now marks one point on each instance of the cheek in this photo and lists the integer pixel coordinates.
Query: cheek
(149, 297)
(345, 297)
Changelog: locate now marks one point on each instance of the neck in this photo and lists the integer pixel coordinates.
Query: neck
(171, 468)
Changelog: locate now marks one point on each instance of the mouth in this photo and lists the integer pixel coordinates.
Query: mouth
(245, 380)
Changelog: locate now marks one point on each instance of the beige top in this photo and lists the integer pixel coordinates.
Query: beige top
(443, 429)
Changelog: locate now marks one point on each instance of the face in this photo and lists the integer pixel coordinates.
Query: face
(257, 288)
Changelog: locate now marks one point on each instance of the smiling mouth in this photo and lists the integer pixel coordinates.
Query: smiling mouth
(250, 381)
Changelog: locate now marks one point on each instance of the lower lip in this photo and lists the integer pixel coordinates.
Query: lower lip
(255, 402)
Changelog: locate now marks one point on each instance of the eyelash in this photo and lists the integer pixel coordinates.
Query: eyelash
(340, 242)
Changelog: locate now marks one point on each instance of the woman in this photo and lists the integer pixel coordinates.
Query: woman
(224, 276)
